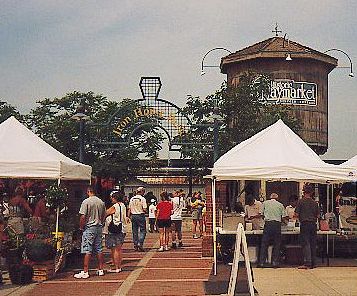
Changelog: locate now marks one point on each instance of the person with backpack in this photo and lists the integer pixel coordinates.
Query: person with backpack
(114, 229)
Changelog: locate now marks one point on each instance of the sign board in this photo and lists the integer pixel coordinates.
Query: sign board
(347, 209)
(290, 92)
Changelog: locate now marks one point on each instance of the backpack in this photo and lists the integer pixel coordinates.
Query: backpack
(113, 228)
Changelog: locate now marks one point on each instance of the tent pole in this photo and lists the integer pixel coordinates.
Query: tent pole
(214, 226)
(57, 214)
(328, 199)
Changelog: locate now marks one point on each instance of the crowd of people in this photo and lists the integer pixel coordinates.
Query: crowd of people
(270, 215)
(165, 217)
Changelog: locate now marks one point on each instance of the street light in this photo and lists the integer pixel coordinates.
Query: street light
(211, 66)
(351, 65)
(82, 118)
(217, 118)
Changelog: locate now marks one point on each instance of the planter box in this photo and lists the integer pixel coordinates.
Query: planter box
(43, 271)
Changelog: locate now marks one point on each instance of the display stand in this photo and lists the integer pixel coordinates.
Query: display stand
(241, 241)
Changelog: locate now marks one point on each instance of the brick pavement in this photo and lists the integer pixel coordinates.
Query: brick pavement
(176, 272)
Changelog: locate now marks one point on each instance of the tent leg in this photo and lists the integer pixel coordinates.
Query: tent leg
(57, 215)
(214, 226)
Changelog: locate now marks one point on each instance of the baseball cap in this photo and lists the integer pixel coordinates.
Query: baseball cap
(153, 200)
(140, 188)
(113, 192)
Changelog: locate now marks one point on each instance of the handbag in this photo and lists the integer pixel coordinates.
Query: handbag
(113, 228)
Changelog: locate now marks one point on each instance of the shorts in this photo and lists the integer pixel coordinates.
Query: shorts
(92, 240)
(114, 239)
(176, 225)
(196, 214)
(164, 223)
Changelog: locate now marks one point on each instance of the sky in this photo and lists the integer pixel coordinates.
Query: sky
(50, 48)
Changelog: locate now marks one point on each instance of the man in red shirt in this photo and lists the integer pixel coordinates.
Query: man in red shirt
(163, 218)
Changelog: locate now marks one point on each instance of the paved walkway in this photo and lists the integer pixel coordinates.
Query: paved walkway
(176, 272)
(321, 281)
(185, 272)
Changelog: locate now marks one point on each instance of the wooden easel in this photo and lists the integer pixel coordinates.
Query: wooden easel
(240, 241)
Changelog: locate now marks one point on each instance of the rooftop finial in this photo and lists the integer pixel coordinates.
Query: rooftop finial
(276, 30)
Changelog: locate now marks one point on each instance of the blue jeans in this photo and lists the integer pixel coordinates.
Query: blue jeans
(308, 234)
(138, 226)
(271, 232)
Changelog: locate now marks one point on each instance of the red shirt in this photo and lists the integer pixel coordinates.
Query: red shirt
(165, 209)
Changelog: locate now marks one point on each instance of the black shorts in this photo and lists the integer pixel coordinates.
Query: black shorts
(164, 223)
(176, 225)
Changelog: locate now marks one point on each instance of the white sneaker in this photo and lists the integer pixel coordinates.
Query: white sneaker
(114, 270)
(167, 248)
(100, 272)
(81, 275)
(161, 249)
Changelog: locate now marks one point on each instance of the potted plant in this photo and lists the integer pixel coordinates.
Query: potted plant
(40, 250)
(12, 246)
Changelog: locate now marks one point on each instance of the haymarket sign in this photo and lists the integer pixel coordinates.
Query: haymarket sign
(292, 92)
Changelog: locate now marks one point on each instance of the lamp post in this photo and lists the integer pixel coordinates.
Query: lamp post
(81, 117)
(206, 54)
(216, 117)
(351, 65)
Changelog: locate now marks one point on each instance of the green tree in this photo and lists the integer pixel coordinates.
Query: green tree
(242, 114)
(51, 120)
(7, 110)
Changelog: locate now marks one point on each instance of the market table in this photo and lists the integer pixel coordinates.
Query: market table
(293, 231)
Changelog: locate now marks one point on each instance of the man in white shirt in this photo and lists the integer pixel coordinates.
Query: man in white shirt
(137, 210)
(178, 203)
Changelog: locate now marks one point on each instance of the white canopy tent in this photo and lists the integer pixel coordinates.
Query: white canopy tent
(25, 155)
(351, 163)
(274, 154)
(277, 153)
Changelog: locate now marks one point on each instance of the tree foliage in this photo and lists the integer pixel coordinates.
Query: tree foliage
(52, 121)
(7, 110)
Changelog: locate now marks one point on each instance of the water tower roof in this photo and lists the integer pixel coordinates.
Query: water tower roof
(276, 47)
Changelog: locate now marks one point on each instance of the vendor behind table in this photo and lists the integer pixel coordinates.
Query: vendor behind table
(253, 212)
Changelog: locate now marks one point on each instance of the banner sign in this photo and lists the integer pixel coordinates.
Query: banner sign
(290, 92)
(347, 208)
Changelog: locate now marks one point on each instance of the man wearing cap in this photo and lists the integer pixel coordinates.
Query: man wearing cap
(137, 210)
(307, 211)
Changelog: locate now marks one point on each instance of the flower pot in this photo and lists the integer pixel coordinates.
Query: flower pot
(20, 274)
